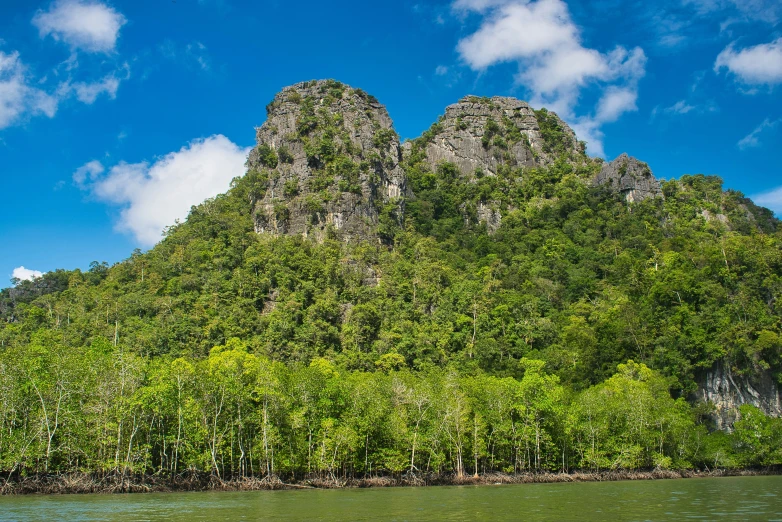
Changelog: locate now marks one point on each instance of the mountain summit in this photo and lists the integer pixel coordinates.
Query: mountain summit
(332, 163)
(331, 159)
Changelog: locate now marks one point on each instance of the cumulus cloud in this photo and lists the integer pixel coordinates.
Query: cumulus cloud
(86, 25)
(18, 97)
(153, 196)
(25, 274)
(753, 138)
(88, 172)
(21, 96)
(771, 200)
(615, 102)
(553, 64)
(757, 65)
(88, 92)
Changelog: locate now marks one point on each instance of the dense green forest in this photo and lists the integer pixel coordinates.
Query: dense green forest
(571, 337)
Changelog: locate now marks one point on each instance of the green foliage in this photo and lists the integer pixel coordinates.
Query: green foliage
(284, 154)
(291, 188)
(267, 156)
(757, 438)
(294, 97)
(555, 140)
(366, 97)
(313, 204)
(490, 130)
(236, 413)
(308, 120)
(383, 138)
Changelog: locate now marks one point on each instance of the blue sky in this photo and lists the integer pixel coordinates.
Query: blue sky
(116, 116)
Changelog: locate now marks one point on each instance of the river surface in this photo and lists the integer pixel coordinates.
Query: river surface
(730, 498)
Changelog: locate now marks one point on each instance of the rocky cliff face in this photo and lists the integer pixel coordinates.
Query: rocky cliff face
(726, 392)
(480, 134)
(630, 177)
(332, 158)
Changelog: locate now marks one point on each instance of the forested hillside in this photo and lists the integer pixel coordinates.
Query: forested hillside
(515, 317)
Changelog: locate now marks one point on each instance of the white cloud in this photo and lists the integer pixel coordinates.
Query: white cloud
(21, 97)
(18, 98)
(680, 107)
(518, 31)
(87, 25)
(686, 106)
(441, 70)
(588, 129)
(757, 65)
(88, 172)
(153, 196)
(771, 200)
(615, 102)
(89, 92)
(753, 138)
(25, 274)
(553, 64)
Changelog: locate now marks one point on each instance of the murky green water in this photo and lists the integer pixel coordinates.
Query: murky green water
(741, 498)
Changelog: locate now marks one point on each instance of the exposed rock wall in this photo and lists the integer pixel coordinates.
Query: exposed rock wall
(727, 392)
(630, 177)
(481, 135)
(484, 133)
(332, 158)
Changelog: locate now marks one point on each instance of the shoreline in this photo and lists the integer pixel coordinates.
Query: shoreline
(86, 483)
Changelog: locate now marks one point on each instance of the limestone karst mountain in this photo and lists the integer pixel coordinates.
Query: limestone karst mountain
(486, 250)
(333, 160)
(333, 163)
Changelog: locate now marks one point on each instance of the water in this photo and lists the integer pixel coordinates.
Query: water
(733, 498)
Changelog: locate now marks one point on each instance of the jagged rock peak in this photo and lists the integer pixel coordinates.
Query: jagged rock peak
(630, 177)
(480, 134)
(329, 157)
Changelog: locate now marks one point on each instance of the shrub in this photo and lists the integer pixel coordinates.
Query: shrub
(267, 156)
(291, 188)
(284, 154)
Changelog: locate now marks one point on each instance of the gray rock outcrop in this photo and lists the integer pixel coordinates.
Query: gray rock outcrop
(332, 161)
(480, 134)
(726, 392)
(630, 177)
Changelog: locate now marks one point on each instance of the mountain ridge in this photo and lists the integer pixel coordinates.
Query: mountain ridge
(333, 160)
